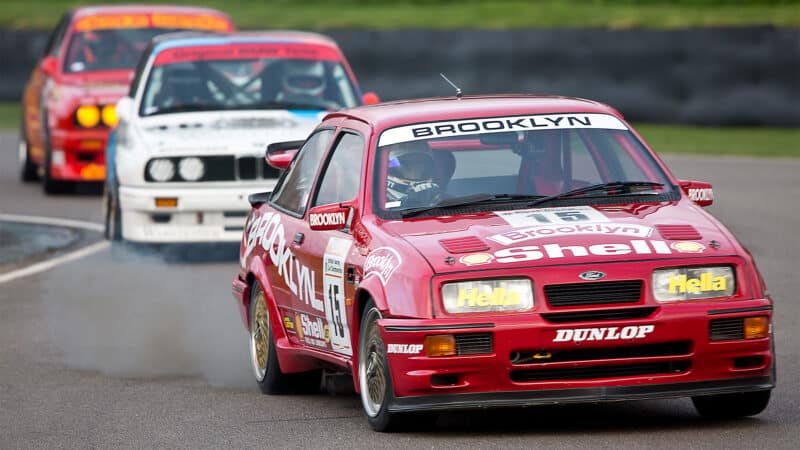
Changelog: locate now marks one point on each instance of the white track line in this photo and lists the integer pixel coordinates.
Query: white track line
(49, 264)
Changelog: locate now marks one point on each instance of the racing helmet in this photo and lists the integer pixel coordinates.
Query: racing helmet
(303, 77)
(410, 166)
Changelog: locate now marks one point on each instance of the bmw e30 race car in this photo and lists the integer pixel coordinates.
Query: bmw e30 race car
(498, 251)
(88, 63)
(188, 148)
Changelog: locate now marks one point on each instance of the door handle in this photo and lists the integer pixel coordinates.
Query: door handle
(298, 238)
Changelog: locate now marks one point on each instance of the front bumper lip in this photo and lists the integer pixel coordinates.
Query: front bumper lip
(580, 395)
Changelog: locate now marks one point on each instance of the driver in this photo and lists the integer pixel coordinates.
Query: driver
(303, 81)
(409, 181)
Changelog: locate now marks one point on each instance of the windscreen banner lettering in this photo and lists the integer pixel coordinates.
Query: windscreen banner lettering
(245, 51)
(433, 130)
(177, 21)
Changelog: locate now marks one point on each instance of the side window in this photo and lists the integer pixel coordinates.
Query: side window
(342, 176)
(293, 189)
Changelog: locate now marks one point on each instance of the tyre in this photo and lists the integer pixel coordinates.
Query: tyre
(374, 378)
(28, 170)
(731, 406)
(113, 215)
(264, 360)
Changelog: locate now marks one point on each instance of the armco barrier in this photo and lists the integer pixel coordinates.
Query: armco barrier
(720, 76)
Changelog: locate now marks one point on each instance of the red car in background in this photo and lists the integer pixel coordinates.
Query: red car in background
(498, 251)
(68, 103)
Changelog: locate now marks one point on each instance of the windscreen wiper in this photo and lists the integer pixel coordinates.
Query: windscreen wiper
(465, 200)
(609, 189)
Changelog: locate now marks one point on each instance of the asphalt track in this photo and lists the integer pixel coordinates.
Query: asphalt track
(120, 350)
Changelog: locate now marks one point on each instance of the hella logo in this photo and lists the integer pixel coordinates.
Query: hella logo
(592, 275)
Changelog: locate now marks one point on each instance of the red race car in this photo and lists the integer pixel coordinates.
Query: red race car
(498, 251)
(68, 103)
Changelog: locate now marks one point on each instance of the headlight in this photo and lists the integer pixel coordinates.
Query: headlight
(109, 115)
(488, 295)
(87, 116)
(191, 169)
(161, 169)
(688, 283)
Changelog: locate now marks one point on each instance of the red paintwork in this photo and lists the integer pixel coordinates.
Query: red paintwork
(409, 296)
(51, 99)
(240, 51)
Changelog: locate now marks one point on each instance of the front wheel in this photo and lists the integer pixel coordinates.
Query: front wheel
(731, 406)
(374, 379)
(28, 170)
(113, 215)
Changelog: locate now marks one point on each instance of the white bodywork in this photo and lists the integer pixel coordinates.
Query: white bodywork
(206, 211)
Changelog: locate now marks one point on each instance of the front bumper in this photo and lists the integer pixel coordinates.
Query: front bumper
(79, 155)
(676, 359)
(202, 214)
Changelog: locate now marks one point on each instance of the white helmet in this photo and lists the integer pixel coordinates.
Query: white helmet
(409, 178)
(304, 77)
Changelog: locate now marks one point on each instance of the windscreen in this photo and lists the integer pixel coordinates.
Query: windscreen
(246, 77)
(508, 158)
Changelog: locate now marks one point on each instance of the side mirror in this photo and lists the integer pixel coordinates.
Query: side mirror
(280, 154)
(125, 109)
(49, 65)
(259, 198)
(370, 98)
(329, 217)
(698, 191)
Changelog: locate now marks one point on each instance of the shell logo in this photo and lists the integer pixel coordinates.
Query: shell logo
(299, 326)
(476, 259)
(688, 247)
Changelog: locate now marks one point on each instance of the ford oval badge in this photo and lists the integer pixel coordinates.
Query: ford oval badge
(592, 275)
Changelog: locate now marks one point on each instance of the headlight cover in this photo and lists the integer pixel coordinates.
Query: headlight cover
(161, 169)
(478, 296)
(689, 283)
(87, 116)
(191, 169)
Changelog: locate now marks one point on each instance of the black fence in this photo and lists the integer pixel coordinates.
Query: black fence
(719, 76)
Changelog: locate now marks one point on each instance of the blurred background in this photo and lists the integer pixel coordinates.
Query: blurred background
(708, 76)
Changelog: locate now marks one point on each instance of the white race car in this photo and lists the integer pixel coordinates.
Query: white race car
(202, 109)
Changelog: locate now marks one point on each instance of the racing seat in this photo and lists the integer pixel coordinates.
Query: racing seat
(444, 166)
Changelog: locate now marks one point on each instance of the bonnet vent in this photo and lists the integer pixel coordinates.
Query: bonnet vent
(678, 232)
(467, 244)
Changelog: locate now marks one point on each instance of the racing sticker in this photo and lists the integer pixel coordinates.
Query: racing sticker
(552, 216)
(312, 330)
(333, 287)
(557, 251)
(468, 127)
(382, 262)
(545, 231)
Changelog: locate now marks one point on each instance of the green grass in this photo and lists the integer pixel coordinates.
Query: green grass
(752, 141)
(386, 14)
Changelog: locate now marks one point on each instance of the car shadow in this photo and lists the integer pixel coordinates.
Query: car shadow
(177, 253)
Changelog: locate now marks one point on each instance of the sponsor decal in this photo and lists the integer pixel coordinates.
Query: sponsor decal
(706, 283)
(268, 232)
(333, 263)
(688, 247)
(471, 298)
(603, 333)
(701, 194)
(557, 251)
(325, 219)
(592, 275)
(244, 51)
(312, 330)
(382, 262)
(476, 259)
(185, 21)
(538, 232)
(552, 216)
(406, 349)
(497, 125)
(288, 324)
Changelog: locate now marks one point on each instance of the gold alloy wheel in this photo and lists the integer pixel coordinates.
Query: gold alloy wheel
(259, 336)
(372, 370)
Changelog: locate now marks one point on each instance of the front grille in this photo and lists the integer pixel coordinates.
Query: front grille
(603, 293)
(474, 343)
(726, 329)
(601, 314)
(585, 373)
(679, 348)
(268, 172)
(247, 168)
(224, 168)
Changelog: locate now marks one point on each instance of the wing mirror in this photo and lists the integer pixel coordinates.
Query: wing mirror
(698, 191)
(335, 216)
(125, 109)
(49, 65)
(280, 154)
(370, 98)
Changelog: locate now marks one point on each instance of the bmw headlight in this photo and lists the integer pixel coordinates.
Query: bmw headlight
(515, 294)
(161, 169)
(688, 283)
(191, 169)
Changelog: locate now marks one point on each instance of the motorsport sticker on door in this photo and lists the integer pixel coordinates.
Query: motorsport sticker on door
(333, 288)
